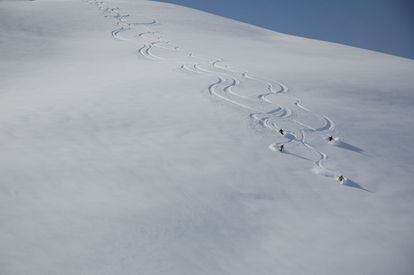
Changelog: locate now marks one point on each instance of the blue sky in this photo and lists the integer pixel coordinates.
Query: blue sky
(380, 25)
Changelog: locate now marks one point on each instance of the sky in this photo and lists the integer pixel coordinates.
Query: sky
(381, 25)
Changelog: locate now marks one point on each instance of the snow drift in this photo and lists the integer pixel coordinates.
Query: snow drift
(144, 138)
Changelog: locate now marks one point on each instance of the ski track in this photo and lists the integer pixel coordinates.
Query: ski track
(229, 78)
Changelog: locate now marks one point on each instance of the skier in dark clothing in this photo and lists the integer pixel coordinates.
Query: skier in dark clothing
(330, 138)
(281, 147)
(341, 178)
(281, 132)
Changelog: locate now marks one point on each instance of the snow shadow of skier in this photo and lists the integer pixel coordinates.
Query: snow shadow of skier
(348, 146)
(295, 155)
(353, 184)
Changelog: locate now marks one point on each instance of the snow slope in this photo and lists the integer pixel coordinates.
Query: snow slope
(141, 137)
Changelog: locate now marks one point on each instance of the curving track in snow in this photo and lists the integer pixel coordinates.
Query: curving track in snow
(269, 103)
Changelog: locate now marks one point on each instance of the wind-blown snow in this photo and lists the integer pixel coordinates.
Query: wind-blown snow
(143, 138)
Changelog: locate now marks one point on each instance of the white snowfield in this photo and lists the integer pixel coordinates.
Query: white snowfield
(141, 137)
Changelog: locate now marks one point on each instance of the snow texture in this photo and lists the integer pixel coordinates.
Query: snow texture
(141, 137)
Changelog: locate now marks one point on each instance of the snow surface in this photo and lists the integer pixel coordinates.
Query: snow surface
(141, 137)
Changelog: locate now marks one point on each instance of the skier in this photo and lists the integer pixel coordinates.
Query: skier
(341, 179)
(330, 138)
(281, 132)
(281, 147)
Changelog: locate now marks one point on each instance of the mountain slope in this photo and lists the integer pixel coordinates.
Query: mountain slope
(142, 138)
